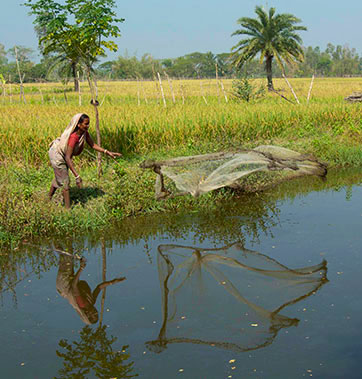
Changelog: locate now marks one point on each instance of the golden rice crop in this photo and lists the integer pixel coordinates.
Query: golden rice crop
(135, 119)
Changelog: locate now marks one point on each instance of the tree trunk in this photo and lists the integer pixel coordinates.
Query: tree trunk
(75, 76)
(269, 72)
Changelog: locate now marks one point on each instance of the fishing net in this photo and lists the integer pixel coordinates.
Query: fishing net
(203, 173)
(230, 297)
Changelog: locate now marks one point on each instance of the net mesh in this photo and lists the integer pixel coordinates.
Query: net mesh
(200, 174)
(230, 297)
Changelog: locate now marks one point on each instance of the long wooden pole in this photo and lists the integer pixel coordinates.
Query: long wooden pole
(310, 89)
(21, 78)
(162, 93)
(217, 83)
(10, 90)
(171, 88)
(202, 92)
(182, 92)
(95, 103)
(104, 272)
(79, 92)
(291, 88)
(282, 96)
(224, 92)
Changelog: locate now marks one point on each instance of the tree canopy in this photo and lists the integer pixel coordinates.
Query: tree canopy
(272, 36)
(334, 60)
(77, 31)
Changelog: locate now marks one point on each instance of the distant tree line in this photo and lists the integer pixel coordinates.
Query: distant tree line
(334, 61)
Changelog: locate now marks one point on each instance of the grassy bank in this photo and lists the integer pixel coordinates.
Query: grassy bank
(326, 127)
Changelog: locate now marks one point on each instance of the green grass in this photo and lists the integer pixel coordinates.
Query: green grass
(327, 127)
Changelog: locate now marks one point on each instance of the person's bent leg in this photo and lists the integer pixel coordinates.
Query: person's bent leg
(66, 194)
(66, 197)
(52, 191)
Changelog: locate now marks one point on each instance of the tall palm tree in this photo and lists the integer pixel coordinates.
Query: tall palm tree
(273, 36)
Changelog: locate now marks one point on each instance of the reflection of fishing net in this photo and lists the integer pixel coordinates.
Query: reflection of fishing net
(203, 173)
(229, 297)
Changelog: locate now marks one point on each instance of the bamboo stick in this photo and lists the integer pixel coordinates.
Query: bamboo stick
(224, 92)
(10, 90)
(182, 93)
(171, 87)
(21, 78)
(282, 96)
(291, 88)
(79, 92)
(202, 92)
(217, 83)
(94, 93)
(310, 89)
(104, 274)
(162, 93)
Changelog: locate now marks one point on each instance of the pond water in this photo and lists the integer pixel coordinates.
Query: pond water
(267, 286)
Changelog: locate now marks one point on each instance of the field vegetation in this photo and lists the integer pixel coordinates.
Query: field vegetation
(195, 116)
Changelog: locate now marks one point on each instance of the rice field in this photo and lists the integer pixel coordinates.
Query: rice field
(140, 117)
(193, 117)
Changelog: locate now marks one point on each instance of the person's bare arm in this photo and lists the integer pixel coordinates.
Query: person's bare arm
(77, 277)
(96, 147)
(103, 285)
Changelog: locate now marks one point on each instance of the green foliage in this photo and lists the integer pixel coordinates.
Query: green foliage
(3, 59)
(272, 36)
(82, 40)
(244, 89)
(333, 61)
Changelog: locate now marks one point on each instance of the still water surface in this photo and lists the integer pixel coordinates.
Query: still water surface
(266, 287)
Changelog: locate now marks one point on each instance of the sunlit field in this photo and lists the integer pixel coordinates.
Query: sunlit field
(194, 117)
(139, 117)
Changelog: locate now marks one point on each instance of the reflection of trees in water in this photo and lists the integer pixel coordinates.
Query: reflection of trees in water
(94, 353)
(246, 217)
(17, 266)
(229, 297)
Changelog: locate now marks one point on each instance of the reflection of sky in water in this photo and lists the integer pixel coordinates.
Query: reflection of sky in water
(326, 343)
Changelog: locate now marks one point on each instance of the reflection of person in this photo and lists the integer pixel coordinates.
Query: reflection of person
(78, 292)
(65, 147)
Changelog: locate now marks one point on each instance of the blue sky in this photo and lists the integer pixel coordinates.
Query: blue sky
(166, 28)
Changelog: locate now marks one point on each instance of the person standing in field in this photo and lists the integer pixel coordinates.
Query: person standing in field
(65, 147)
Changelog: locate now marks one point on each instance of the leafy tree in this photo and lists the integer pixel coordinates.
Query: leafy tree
(3, 59)
(272, 36)
(24, 55)
(76, 31)
(194, 65)
(224, 65)
(105, 70)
